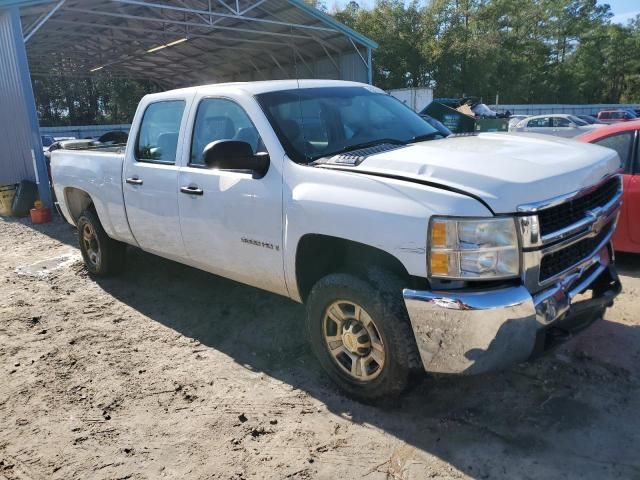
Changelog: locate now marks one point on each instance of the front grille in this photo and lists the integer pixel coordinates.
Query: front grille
(555, 218)
(557, 262)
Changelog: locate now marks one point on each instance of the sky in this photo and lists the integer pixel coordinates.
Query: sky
(623, 10)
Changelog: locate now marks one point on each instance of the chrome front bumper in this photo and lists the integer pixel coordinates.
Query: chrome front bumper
(487, 330)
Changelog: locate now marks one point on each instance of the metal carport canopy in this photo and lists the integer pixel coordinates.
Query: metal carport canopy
(174, 43)
(187, 42)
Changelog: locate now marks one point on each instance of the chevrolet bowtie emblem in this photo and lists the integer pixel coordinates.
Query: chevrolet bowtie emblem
(598, 224)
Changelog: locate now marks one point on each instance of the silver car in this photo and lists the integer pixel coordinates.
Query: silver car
(561, 125)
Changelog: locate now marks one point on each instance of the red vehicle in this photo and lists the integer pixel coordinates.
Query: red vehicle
(624, 138)
(616, 116)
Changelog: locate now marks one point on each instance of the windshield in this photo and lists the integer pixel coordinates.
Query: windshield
(578, 121)
(319, 122)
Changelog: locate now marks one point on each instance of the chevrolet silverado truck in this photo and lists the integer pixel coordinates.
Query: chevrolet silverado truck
(411, 251)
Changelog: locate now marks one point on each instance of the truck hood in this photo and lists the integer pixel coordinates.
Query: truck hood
(503, 170)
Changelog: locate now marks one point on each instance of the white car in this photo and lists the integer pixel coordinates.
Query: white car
(515, 119)
(411, 251)
(560, 125)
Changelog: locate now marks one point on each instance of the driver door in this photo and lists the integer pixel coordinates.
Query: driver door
(231, 222)
(562, 127)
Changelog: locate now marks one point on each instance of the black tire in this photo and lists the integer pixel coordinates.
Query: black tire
(109, 258)
(381, 297)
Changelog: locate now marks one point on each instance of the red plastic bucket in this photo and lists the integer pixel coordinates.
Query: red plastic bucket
(40, 215)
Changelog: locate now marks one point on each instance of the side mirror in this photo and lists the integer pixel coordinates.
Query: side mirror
(236, 155)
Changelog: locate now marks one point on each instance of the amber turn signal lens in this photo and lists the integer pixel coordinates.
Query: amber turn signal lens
(439, 263)
(439, 234)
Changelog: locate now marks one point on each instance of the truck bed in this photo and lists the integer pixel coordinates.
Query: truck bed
(97, 171)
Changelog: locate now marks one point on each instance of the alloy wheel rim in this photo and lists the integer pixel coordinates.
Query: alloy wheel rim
(91, 245)
(353, 340)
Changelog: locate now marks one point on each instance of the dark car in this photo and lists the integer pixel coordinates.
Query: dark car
(590, 119)
(115, 137)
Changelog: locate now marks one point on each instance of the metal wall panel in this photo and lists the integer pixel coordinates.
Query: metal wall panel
(351, 67)
(83, 131)
(16, 161)
(414, 98)
(543, 109)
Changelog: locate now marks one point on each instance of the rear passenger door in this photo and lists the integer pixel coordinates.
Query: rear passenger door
(539, 125)
(151, 179)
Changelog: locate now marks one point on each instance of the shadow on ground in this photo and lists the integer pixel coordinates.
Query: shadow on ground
(571, 414)
(57, 229)
(628, 264)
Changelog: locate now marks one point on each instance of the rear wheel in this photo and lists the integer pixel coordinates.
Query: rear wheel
(102, 255)
(360, 333)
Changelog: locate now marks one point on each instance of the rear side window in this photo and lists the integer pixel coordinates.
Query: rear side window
(604, 115)
(622, 144)
(158, 136)
(539, 122)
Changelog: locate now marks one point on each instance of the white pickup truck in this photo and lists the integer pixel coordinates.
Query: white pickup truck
(411, 251)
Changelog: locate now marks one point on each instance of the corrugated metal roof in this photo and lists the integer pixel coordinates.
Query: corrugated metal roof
(225, 39)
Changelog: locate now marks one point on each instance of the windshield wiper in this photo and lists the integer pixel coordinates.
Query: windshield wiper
(426, 136)
(358, 146)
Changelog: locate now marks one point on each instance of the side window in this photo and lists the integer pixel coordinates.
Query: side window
(621, 143)
(605, 115)
(561, 122)
(158, 136)
(221, 119)
(539, 122)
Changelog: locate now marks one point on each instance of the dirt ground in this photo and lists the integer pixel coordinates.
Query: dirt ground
(169, 372)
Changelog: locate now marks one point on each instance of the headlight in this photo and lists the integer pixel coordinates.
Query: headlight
(470, 249)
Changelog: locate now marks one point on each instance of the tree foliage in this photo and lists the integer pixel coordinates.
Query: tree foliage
(63, 99)
(527, 51)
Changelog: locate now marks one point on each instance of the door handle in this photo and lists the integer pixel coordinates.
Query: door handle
(192, 190)
(134, 181)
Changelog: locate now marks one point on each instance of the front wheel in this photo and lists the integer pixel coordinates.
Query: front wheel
(361, 335)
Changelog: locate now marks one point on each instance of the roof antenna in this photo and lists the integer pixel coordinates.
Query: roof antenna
(295, 72)
(293, 52)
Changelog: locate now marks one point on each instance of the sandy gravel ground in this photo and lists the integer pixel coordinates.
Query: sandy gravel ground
(169, 372)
